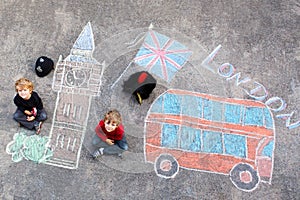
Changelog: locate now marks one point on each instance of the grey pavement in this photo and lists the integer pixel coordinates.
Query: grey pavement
(259, 38)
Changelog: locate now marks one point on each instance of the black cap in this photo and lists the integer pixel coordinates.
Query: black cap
(43, 66)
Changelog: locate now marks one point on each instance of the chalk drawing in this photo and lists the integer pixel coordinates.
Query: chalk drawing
(226, 70)
(207, 61)
(237, 79)
(271, 101)
(33, 148)
(118, 52)
(162, 55)
(287, 118)
(77, 78)
(199, 131)
(259, 93)
(159, 54)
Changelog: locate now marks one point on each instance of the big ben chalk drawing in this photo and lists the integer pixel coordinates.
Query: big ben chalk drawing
(77, 78)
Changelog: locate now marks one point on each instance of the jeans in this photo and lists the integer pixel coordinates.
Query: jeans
(21, 117)
(117, 148)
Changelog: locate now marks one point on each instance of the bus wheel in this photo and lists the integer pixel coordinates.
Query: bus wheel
(244, 177)
(166, 166)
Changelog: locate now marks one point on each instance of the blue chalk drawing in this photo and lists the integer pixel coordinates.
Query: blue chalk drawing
(190, 139)
(85, 40)
(212, 142)
(268, 118)
(288, 122)
(157, 106)
(207, 109)
(172, 106)
(217, 111)
(192, 105)
(83, 47)
(162, 55)
(232, 113)
(169, 135)
(254, 116)
(235, 145)
(268, 149)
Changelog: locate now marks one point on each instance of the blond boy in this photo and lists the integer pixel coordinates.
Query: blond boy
(30, 112)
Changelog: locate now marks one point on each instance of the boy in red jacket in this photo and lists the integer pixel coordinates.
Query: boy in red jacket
(110, 137)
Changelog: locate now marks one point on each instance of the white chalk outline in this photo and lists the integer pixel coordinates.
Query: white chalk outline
(83, 60)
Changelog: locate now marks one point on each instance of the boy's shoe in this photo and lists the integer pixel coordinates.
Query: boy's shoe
(120, 155)
(38, 128)
(97, 153)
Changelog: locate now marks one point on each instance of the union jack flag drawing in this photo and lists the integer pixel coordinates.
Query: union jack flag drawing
(162, 55)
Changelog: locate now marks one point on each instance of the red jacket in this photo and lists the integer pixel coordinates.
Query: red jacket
(117, 134)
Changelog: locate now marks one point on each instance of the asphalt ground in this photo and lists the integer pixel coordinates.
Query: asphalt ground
(259, 38)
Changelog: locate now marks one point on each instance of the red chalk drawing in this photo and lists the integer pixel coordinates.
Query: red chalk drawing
(203, 132)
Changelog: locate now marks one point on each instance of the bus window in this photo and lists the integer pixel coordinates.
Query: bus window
(235, 145)
(232, 113)
(170, 136)
(217, 111)
(157, 105)
(268, 119)
(190, 139)
(253, 116)
(207, 109)
(212, 142)
(172, 104)
(268, 149)
(192, 106)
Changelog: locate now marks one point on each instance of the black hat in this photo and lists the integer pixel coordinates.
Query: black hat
(43, 66)
(140, 85)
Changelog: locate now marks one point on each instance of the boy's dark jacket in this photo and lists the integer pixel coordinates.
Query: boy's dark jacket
(33, 102)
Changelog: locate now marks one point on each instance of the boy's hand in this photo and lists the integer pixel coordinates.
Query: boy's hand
(27, 112)
(109, 141)
(30, 118)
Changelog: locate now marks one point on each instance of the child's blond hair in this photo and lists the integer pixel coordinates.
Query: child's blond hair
(23, 83)
(113, 116)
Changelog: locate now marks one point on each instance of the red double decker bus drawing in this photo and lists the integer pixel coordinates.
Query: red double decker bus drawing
(198, 131)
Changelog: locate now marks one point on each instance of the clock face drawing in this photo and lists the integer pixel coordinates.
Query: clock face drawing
(75, 77)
